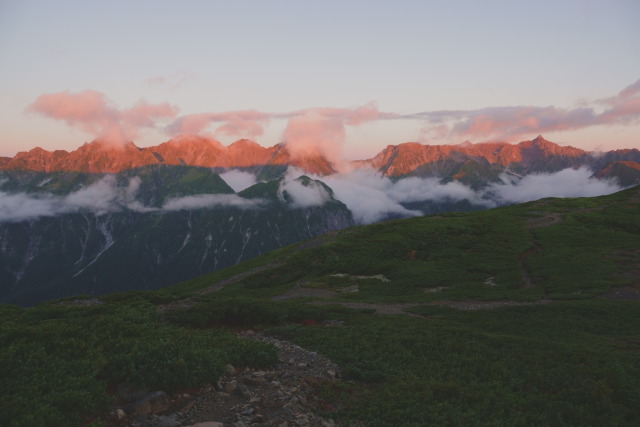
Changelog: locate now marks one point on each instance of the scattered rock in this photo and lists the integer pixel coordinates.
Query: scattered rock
(169, 421)
(490, 281)
(229, 387)
(255, 381)
(350, 289)
(151, 404)
(188, 406)
(207, 424)
(259, 418)
(243, 397)
(436, 289)
(247, 411)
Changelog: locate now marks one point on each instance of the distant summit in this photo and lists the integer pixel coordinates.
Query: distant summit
(627, 173)
(536, 155)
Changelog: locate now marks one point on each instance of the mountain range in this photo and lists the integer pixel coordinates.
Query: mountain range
(102, 218)
(466, 162)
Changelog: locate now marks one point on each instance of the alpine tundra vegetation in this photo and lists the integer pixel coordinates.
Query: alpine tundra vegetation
(519, 315)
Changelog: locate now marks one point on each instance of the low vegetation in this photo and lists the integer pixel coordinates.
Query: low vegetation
(570, 363)
(59, 362)
(557, 342)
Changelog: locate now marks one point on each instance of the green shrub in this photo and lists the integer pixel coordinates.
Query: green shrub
(242, 312)
(57, 362)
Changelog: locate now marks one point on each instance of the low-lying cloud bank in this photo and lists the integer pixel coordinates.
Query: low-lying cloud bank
(372, 197)
(565, 183)
(104, 196)
(99, 198)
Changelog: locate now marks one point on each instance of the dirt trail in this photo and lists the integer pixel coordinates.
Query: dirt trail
(401, 307)
(191, 301)
(549, 219)
(379, 308)
(221, 284)
(299, 291)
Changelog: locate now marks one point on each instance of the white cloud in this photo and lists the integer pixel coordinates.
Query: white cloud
(21, 206)
(372, 197)
(99, 198)
(303, 196)
(238, 180)
(414, 189)
(210, 200)
(102, 197)
(367, 194)
(565, 183)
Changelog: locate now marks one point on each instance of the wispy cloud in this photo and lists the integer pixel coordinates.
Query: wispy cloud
(91, 112)
(309, 132)
(243, 124)
(210, 201)
(321, 130)
(312, 134)
(99, 198)
(512, 122)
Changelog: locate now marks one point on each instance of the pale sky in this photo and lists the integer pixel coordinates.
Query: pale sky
(373, 73)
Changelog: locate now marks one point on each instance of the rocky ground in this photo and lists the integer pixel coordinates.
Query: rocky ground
(278, 397)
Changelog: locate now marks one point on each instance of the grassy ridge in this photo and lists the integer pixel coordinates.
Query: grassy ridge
(479, 255)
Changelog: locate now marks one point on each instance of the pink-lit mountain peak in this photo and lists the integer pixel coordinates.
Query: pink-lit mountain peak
(394, 160)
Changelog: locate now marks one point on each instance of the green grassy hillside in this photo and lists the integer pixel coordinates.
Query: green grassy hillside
(521, 315)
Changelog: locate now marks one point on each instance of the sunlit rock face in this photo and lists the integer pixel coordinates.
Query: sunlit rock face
(537, 155)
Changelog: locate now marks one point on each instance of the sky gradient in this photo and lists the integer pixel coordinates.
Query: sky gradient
(354, 76)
